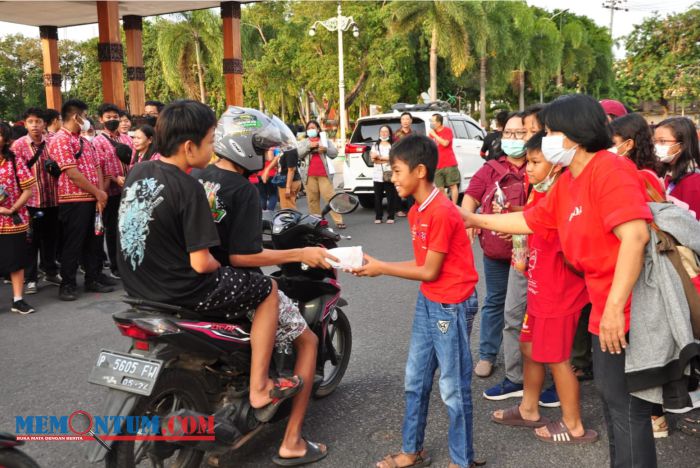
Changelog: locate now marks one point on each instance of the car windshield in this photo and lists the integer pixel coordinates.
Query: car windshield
(368, 130)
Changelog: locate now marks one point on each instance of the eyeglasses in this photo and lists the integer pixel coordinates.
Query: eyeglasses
(664, 142)
(516, 134)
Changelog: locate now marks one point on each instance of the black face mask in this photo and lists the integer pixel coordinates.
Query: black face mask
(111, 125)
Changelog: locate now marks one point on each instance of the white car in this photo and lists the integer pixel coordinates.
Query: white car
(357, 173)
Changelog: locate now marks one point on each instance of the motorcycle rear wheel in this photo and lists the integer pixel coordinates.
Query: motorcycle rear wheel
(175, 389)
(340, 342)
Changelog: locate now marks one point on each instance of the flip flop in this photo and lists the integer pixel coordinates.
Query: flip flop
(512, 417)
(312, 455)
(690, 426)
(559, 434)
(422, 459)
(284, 389)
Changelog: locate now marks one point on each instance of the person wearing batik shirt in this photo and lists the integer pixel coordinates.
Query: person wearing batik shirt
(80, 200)
(115, 171)
(15, 189)
(33, 150)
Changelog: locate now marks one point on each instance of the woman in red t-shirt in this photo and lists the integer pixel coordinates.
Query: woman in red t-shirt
(676, 143)
(598, 207)
(633, 139)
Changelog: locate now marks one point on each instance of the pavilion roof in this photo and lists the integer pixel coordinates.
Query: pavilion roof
(73, 13)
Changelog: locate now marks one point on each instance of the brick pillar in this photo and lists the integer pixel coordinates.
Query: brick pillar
(110, 53)
(52, 72)
(135, 72)
(233, 58)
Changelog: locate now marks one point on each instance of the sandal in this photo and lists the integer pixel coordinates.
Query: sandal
(582, 374)
(377, 221)
(284, 389)
(690, 426)
(512, 417)
(312, 455)
(422, 459)
(658, 424)
(559, 434)
(390, 221)
(341, 226)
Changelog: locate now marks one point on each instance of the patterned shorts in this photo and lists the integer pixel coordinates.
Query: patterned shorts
(239, 292)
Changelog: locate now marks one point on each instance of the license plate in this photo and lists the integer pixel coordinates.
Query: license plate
(125, 372)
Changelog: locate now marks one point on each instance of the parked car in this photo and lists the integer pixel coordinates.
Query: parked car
(357, 174)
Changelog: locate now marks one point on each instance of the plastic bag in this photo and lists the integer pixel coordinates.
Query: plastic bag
(349, 257)
(520, 252)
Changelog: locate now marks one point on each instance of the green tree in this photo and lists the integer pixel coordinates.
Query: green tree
(21, 75)
(448, 33)
(545, 54)
(191, 52)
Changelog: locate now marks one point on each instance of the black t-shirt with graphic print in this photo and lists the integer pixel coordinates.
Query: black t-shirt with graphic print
(163, 217)
(235, 206)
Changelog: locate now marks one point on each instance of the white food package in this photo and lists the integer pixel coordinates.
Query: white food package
(349, 257)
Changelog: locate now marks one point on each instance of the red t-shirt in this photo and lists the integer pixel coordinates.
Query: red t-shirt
(437, 225)
(316, 166)
(687, 190)
(649, 176)
(446, 156)
(109, 162)
(63, 148)
(553, 289)
(584, 211)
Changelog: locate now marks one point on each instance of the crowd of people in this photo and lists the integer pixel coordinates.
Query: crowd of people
(560, 208)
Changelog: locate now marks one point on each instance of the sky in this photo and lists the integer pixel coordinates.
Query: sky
(623, 21)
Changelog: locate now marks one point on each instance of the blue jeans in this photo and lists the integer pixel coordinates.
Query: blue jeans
(496, 274)
(440, 337)
(268, 196)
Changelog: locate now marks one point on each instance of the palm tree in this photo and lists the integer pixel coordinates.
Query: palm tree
(448, 33)
(522, 31)
(545, 53)
(187, 48)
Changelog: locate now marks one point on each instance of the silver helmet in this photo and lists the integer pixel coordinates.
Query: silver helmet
(243, 136)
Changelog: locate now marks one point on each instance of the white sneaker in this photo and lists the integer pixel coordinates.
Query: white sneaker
(31, 288)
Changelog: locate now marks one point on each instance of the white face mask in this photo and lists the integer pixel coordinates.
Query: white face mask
(384, 138)
(554, 151)
(616, 149)
(89, 137)
(546, 183)
(662, 153)
(85, 126)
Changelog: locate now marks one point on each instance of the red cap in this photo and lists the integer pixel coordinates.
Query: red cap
(614, 108)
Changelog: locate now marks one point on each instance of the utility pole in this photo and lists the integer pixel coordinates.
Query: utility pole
(613, 5)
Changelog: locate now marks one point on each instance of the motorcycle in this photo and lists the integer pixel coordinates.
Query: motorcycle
(11, 456)
(181, 364)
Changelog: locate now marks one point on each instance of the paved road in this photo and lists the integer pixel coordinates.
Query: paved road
(45, 359)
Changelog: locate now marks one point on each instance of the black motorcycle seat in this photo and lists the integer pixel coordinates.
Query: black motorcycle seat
(157, 306)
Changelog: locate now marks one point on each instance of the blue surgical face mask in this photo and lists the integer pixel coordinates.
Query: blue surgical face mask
(554, 151)
(513, 148)
(312, 133)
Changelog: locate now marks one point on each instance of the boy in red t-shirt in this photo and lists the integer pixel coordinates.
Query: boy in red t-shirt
(555, 297)
(446, 306)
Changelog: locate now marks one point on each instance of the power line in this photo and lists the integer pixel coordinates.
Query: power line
(614, 5)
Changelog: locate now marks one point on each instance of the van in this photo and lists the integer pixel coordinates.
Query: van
(357, 173)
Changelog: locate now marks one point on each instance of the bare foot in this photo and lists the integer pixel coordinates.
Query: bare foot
(298, 449)
(260, 398)
(400, 459)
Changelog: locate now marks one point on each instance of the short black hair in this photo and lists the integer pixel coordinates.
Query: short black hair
(415, 150)
(512, 115)
(159, 105)
(183, 120)
(34, 112)
(50, 115)
(72, 106)
(582, 119)
(315, 122)
(686, 134)
(438, 117)
(406, 113)
(6, 134)
(108, 107)
(634, 127)
(535, 142)
(536, 110)
(502, 118)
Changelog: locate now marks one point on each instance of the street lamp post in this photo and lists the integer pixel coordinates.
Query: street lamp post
(340, 24)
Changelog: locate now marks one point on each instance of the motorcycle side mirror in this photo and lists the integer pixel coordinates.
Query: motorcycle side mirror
(342, 203)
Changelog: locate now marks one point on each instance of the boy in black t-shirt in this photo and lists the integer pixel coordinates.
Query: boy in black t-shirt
(165, 232)
(235, 207)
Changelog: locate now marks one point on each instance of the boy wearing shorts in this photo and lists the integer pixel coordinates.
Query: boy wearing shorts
(445, 308)
(165, 231)
(555, 297)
